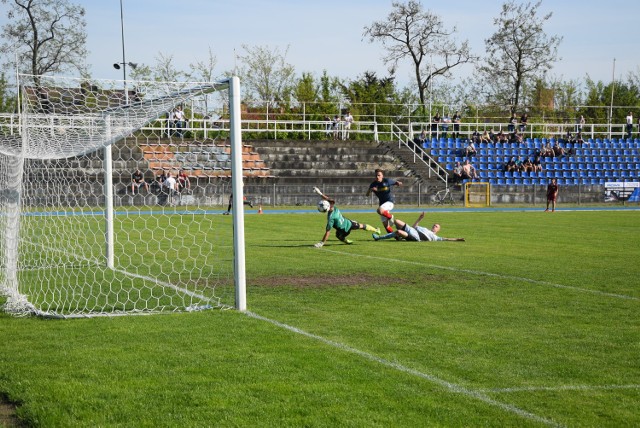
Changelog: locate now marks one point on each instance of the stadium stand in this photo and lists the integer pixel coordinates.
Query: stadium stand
(592, 163)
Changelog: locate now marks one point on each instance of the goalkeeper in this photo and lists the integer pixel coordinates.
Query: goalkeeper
(342, 225)
(415, 233)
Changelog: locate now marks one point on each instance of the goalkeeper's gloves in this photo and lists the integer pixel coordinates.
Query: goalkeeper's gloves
(315, 189)
(319, 244)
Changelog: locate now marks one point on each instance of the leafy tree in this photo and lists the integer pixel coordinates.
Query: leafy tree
(519, 52)
(266, 75)
(7, 99)
(48, 36)
(421, 36)
(626, 96)
(306, 90)
(373, 97)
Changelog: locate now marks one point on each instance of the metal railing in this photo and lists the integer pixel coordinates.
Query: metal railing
(404, 139)
(302, 128)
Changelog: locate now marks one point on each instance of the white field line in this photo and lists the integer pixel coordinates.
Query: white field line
(561, 388)
(452, 387)
(496, 275)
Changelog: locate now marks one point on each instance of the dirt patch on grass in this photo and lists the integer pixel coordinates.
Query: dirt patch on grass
(8, 417)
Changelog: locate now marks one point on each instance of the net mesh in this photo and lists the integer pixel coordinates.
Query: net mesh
(169, 252)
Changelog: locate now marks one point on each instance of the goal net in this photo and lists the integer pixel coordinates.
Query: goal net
(79, 238)
(477, 194)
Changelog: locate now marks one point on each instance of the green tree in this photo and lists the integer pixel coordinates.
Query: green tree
(409, 32)
(48, 36)
(600, 103)
(375, 98)
(7, 99)
(306, 90)
(518, 53)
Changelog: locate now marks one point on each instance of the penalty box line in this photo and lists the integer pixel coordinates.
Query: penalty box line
(452, 387)
(495, 275)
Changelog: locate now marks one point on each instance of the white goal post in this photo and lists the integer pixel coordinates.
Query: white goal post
(79, 237)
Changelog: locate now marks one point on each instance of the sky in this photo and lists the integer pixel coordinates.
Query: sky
(328, 35)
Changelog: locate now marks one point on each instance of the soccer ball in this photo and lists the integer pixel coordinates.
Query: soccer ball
(323, 206)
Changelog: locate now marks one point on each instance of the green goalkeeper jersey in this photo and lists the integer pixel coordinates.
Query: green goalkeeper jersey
(337, 221)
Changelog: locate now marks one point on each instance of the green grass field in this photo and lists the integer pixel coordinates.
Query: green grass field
(534, 321)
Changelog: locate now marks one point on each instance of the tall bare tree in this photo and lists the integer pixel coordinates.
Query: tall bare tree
(266, 74)
(203, 70)
(519, 52)
(47, 36)
(409, 32)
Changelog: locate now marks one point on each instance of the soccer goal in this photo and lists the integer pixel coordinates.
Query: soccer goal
(477, 194)
(79, 238)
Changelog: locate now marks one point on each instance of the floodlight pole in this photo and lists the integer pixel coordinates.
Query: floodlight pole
(124, 61)
(613, 85)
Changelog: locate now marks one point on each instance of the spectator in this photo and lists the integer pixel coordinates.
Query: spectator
(485, 138)
(527, 165)
(568, 138)
(445, 126)
(420, 139)
(336, 127)
(547, 151)
(456, 119)
(537, 164)
(137, 181)
(513, 120)
(502, 137)
(523, 122)
(552, 194)
(629, 124)
(518, 163)
(158, 183)
(493, 137)
(348, 120)
(470, 150)
(171, 186)
(580, 124)
(469, 171)
(558, 151)
(457, 173)
(179, 121)
(327, 125)
(579, 139)
(435, 121)
(183, 181)
(510, 166)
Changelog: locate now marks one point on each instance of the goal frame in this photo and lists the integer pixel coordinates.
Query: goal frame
(19, 304)
(477, 194)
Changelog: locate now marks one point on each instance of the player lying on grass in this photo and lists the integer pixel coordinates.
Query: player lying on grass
(335, 220)
(414, 233)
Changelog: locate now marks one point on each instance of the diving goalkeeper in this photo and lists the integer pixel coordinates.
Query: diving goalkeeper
(342, 225)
